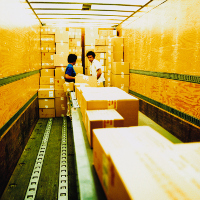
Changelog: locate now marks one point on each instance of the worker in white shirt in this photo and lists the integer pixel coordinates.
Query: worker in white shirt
(95, 67)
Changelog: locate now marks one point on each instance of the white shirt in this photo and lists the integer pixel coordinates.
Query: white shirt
(94, 66)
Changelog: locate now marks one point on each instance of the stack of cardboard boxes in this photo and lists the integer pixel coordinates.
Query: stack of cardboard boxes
(46, 94)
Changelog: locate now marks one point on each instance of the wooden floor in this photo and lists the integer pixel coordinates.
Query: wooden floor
(48, 182)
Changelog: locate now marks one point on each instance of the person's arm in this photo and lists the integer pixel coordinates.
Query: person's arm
(67, 76)
(98, 73)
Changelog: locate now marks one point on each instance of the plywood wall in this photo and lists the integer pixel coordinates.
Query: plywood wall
(166, 39)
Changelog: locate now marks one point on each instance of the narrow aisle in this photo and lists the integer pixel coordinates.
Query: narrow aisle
(49, 178)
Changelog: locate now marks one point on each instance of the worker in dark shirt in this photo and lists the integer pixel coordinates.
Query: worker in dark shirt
(70, 72)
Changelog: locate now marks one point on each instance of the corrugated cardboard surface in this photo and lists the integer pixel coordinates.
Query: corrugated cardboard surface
(46, 112)
(46, 93)
(46, 103)
(61, 106)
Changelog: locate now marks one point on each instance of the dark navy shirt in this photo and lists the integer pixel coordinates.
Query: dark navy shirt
(70, 71)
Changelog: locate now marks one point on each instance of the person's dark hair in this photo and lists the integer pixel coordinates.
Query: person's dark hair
(72, 58)
(90, 53)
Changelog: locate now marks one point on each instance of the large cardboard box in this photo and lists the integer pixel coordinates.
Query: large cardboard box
(100, 49)
(120, 68)
(61, 36)
(118, 56)
(46, 65)
(78, 69)
(47, 57)
(46, 112)
(76, 85)
(75, 43)
(101, 119)
(47, 86)
(118, 44)
(60, 93)
(45, 93)
(46, 103)
(120, 80)
(47, 72)
(47, 39)
(104, 140)
(101, 42)
(125, 104)
(60, 73)
(61, 106)
(47, 80)
(60, 59)
(59, 83)
(52, 48)
(62, 48)
(68, 86)
(90, 80)
(44, 48)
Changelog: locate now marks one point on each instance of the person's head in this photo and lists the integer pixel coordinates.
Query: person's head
(90, 55)
(72, 58)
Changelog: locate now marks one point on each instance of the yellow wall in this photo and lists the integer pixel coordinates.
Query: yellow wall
(166, 39)
(19, 53)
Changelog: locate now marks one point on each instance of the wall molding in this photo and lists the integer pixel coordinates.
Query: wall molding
(10, 79)
(169, 109)
(16, 115)
(173, 76)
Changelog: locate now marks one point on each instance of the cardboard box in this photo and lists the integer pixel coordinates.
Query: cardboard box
(47, 80)
(45, 48)
(47, 72)
(77, 33)
(99, 56)
(46, 103)
(103, 33)
(78, 51)
(79, 85)
(46, 112)
(120, 80)
(44, 30)
(78, 69)
(120, 68)
(90, 80)
(47, 86)
(101, 42)
(68, 86)
(61, 36)
(60, 93)
(75, 43)
(112, 33)
(60, 60)
(52, 48)
(61, 106)
(71, 33)
(109, 42)
(105, 140)
(72, 50)
(118, 56)
(118, 44)
(60, 72)
(59, 83)
(48, 65)
(125, 104)
(45, 93)
(108, 67)
(100, 49)
(47, 57)
(62, 48)
(47, 39)
(101, 119)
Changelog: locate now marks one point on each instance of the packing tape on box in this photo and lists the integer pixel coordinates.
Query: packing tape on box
(46, 70)
(122, 63)
(51, 57)
(108, 79)
(108, 84)
(46, 100)
(62, 77)
(108, 123)
(112, 104)
(46, 106)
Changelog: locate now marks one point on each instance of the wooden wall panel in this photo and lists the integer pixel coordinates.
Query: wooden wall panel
(14, 95)
(20, 39)
(179, 95)
(166, 39)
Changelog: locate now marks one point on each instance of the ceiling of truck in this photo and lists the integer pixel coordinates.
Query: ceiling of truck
(82, 13)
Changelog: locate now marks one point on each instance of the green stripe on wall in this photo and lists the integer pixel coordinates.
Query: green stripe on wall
(10, 79)
(20, 111)
(176, 112)
(179, 77)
